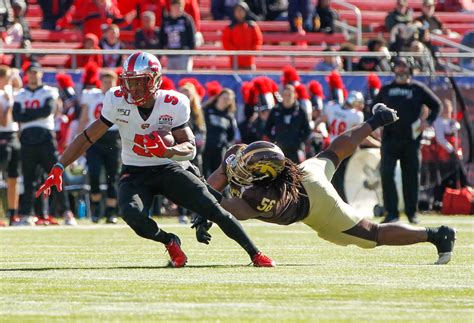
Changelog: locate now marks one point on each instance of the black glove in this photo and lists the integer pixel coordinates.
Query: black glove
(202, 227)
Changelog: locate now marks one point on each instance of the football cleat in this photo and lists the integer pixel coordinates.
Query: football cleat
(384, 114)
(111, 220)
(260, 260)
(444, 243)
(178, 258)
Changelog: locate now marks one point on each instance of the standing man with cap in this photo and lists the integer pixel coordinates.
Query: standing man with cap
(34, 108)
(401, 140)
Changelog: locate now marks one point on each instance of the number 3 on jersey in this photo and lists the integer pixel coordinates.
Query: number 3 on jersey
(266, 205)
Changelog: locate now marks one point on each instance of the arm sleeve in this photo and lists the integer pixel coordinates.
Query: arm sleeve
(433, 103)
(32, 114)
(258, 37)
(108, 112)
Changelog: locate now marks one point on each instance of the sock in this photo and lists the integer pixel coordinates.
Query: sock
(109, 211)
(163, 236)
(95, 209)
(432, 235)
(11, 213)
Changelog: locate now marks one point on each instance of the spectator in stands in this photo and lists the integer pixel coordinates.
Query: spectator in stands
(148, 37)
(424, 63)
(331, 62)
(347, 61)
(18, 31)
(177, 32)
(9, 144)
(402, 36)
(468, 40)
(372, 64)
(93, 15)
(324, 17)
(400, 15)
(34, 109)
(111, 40)
(132, 8)
(270, 10)
(428, 19)
(288, 125)
(221, 127)
(242, 34)
(52, 11)
(191, 7)
(300, 9)
(223, 9)
(6, 14)
(90, 42)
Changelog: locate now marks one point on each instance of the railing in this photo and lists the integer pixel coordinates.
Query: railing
(358, 18)
(469, 54)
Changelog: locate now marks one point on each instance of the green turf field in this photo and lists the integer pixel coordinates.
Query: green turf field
(106, 273)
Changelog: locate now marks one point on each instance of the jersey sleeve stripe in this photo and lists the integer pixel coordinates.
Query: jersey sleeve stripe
(107, 122)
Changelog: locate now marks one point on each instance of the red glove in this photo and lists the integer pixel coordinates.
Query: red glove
(55, 178)
(154, 144)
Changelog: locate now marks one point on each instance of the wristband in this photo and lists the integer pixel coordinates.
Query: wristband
(58, 164)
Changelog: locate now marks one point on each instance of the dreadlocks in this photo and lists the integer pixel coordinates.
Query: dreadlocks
(287, 182)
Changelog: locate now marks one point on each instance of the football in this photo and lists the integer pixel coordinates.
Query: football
(167, 137)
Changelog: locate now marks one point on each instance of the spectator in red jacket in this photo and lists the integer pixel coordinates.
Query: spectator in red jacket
(242, 34)
(91, 41)
(94, 15)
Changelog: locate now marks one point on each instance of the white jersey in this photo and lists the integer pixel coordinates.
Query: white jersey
(6, 102)
(171, 110)
(93, 99)
(35, 100)
(340, 119)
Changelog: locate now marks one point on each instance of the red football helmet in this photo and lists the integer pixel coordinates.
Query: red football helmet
(140, 65)
(261, 160)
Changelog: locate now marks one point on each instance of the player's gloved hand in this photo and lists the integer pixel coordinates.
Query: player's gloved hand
(154, 144)
(55, 178)
(382, 116)
(202, 227)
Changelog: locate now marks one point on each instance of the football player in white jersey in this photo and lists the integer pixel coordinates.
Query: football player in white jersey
(140, 109)
(34, 108)
(9, 144)
(105, 152)
(340, 119)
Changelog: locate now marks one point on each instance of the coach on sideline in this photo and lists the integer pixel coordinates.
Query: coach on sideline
(401, 140)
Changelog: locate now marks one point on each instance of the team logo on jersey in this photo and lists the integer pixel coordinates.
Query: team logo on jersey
(124, 112)
(145, 125)
(165, 119)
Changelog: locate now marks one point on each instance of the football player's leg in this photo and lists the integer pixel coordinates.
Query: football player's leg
(134, 204)
(111, 161)
(94, 166)
(187, 190)
(28, 168)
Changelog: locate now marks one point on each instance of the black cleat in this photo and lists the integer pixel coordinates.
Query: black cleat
(390, 219)
(444, 242)
(111, 220)
(414, 219)
(384, 114)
